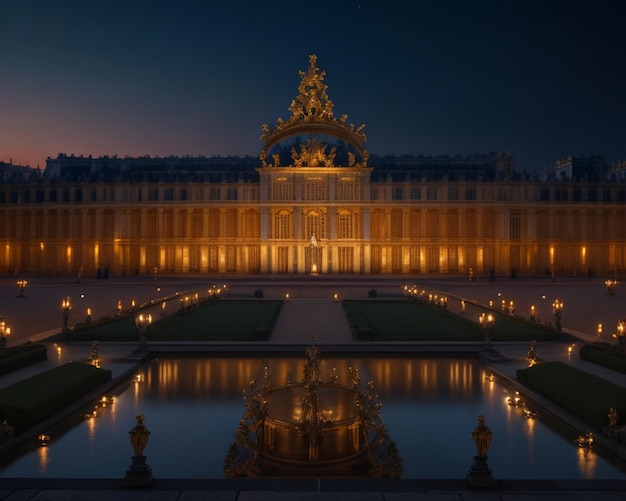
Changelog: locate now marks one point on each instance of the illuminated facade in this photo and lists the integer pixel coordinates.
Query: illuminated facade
(315, 202)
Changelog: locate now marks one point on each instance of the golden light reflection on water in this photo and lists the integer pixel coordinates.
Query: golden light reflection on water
(407, 388)
(587, 462)
(393, 377)
(91, 428)
(44, 460)
(168, 372)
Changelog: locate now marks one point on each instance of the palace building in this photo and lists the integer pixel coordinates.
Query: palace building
(315, 201)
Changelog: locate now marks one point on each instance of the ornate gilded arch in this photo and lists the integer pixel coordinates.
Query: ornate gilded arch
(312, 114)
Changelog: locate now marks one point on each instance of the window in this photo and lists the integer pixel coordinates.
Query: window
(432, 223)
(415, 220)
(396, 223)
(213, 223)
(397, 193)
(151, 223)
(515, 225)
(168, 224)
(182, 223)
(282, 224)
(315, 189)
(379, 224)
(452, 223)
(250, 224)
(197, 226)
(348, 189)
(230, 223)
(471, 225)
(315, 223)
(282, 189)
(347, 224)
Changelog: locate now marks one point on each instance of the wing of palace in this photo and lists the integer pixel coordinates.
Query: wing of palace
(315, 201)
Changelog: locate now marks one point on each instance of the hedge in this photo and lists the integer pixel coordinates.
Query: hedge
(584, 395)
(22, 356)
(27, 402)
(605, 355)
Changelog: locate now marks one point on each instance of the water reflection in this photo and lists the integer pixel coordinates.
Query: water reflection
(42, 453)
(193, 406)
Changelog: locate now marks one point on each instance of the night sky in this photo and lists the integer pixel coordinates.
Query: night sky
(538, 79)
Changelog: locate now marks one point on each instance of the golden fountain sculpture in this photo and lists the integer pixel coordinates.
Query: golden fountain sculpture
(312, 428)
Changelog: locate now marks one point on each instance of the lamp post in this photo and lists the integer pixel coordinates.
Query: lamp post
(599, 332)
(487, 320)
(610, 285)
(142, 322)
(557, 307)
(22, 286)
(5, 332)
(66, 306)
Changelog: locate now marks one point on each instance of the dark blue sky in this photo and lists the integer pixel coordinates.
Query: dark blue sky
(539, 79)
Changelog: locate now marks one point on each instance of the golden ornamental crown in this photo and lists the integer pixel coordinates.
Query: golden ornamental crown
(312, 113)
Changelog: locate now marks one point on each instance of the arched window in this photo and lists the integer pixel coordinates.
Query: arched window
(315, 224)
(345, 224)
(282, 224)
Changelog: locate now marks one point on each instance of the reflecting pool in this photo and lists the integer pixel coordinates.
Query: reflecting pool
(192, 407)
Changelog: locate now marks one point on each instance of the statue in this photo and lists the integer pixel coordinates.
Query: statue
(313, 240)
(480, 474)
(612, 417)
(94, 356)
(531, 357)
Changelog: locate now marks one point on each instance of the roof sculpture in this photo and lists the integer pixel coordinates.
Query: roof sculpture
(312, 114)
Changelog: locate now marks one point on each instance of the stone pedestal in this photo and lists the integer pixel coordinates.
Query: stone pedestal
(139, 474)
(480, 474)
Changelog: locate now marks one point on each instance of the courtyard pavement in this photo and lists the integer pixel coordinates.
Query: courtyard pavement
(311, 315)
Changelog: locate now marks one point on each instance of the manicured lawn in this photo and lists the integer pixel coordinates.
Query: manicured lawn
(31, 400)
(584, 395)
(403, 320)
(376, 320)
(214, 321)
(220, 320)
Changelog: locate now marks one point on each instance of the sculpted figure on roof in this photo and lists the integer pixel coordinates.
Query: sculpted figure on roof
(312, 113)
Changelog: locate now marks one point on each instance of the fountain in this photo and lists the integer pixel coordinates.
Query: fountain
(429, 406)
(312, 428)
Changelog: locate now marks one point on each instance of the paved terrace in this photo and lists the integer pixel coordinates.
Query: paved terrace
(310, 316)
